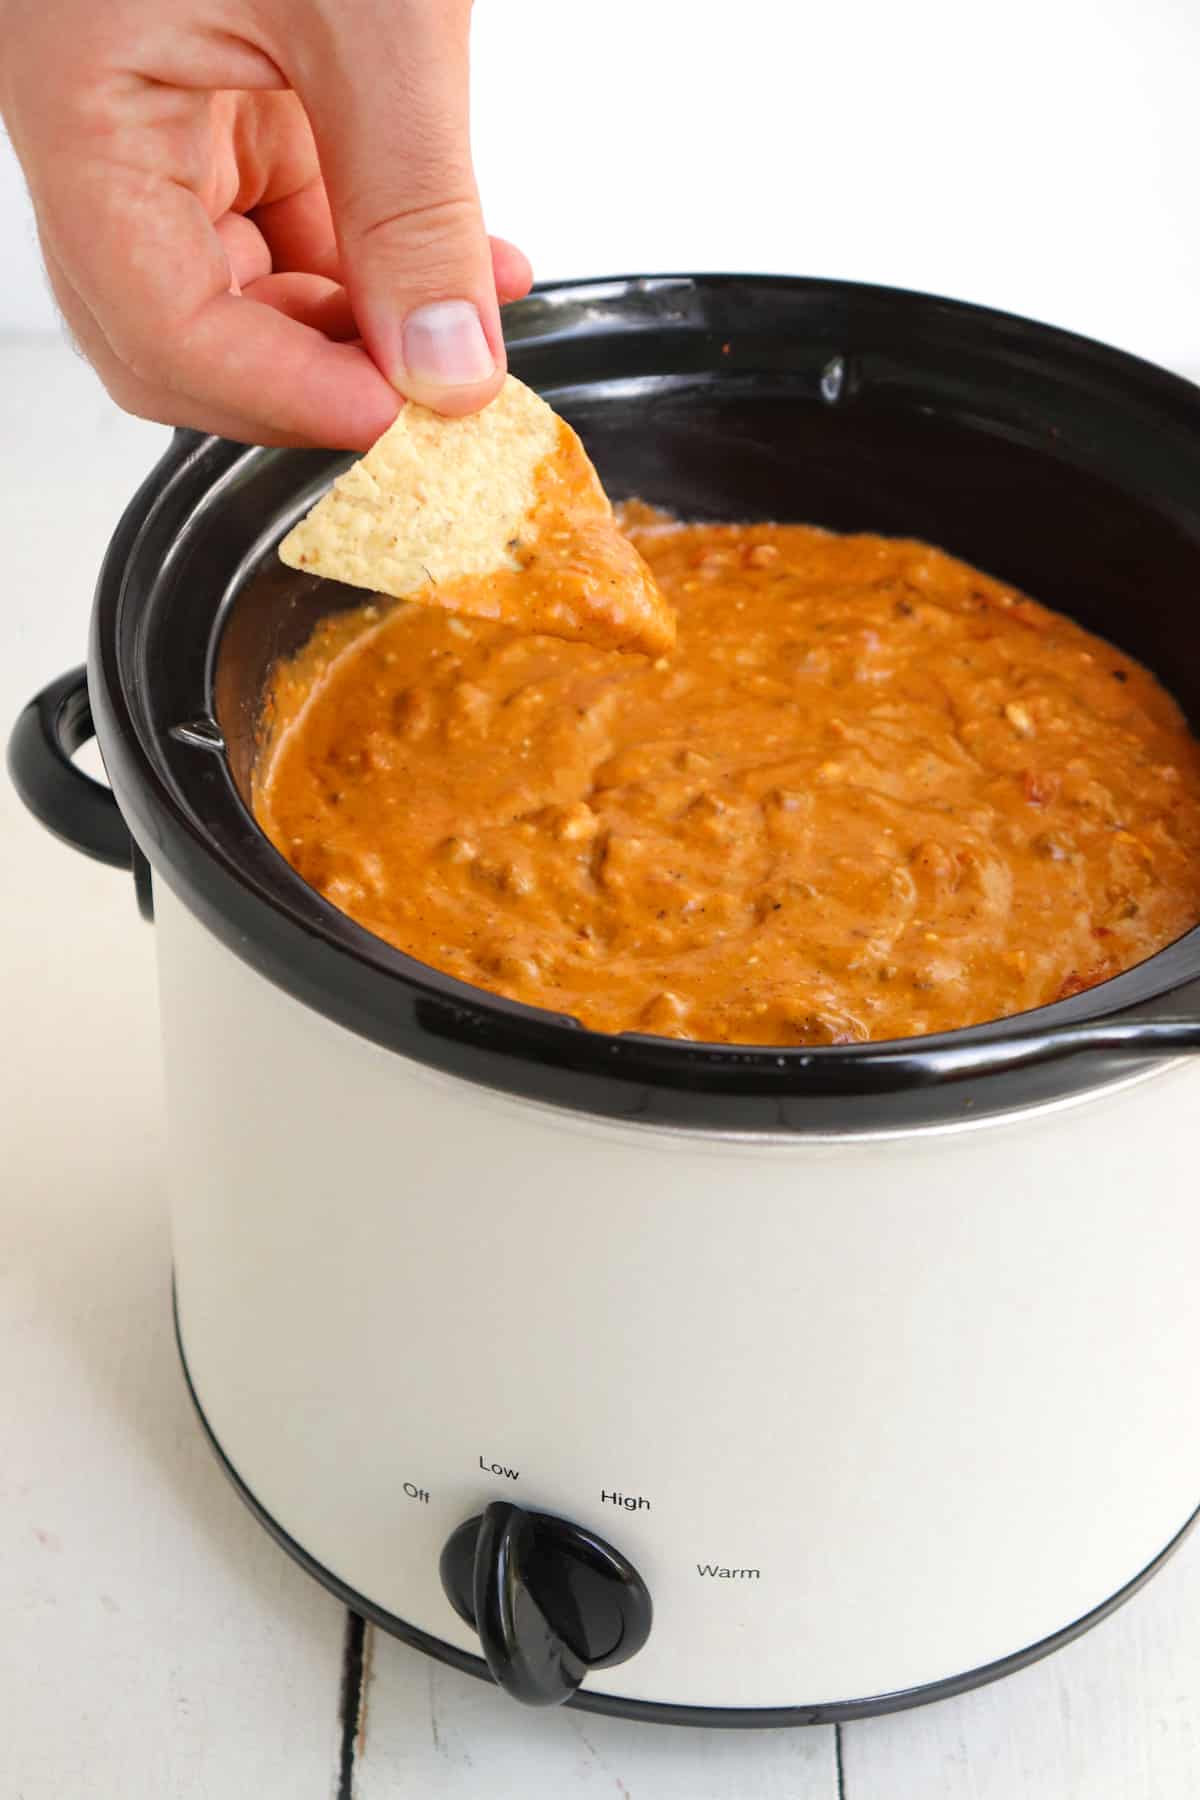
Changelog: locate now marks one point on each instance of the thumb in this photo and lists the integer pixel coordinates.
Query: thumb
(387, 93)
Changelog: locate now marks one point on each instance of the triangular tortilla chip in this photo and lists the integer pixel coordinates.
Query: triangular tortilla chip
(499, 514)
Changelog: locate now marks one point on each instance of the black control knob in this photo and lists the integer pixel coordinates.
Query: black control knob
(549, 1600)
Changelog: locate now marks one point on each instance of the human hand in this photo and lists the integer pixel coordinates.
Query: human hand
(230, 193)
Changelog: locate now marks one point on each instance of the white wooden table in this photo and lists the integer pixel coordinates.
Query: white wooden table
(154, 1643)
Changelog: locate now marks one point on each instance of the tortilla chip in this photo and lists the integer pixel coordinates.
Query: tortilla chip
(500, 515)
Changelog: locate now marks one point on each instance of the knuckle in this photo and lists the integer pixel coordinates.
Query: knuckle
(150, 363)
(150, 348)
(422, 229)
(132, 397)
(141, 357)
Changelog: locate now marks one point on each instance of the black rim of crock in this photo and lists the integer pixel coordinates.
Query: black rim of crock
(273, 920)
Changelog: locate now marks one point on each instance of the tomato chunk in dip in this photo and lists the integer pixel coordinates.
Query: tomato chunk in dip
(872, 793)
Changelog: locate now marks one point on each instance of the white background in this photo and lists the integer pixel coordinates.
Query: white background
(1039, 155)
(156, 1645)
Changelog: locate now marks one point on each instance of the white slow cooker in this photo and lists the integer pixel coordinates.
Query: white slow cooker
(696, 1383)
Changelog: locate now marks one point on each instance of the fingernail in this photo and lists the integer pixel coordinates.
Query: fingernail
(444, 345)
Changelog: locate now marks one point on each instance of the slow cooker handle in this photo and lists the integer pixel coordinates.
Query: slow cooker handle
(80, 811)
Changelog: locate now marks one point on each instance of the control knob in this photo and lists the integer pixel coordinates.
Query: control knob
(549, 1599)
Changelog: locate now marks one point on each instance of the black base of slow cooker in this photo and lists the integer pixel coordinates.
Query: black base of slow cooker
(828, 1712)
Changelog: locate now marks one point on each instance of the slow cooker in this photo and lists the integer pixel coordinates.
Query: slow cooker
(690, 1382)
